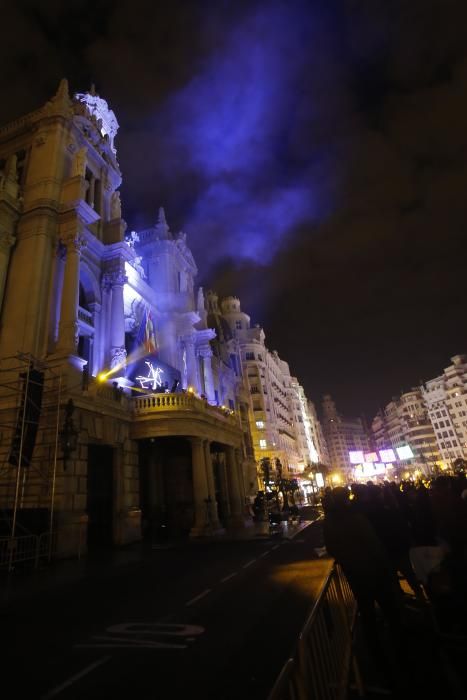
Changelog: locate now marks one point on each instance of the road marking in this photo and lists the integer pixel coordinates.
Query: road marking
(227, 578)
(198, 597)
(143, 635)
(249, 563)
(58, 689)
(276, 547)
(264, 554)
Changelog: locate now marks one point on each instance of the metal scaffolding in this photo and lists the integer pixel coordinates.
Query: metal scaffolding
(30, 398)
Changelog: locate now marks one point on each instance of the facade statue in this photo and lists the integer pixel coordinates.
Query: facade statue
(200, 300)
(115, 206)
(79, 162)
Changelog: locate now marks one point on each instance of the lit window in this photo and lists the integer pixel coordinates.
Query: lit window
(260, 424)
(262, 444)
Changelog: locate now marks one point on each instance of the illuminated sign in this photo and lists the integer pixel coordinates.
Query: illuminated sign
(371, 457)
(404, 452)
(356, 457)
(153, 378)
(387, 455)
(319, 480)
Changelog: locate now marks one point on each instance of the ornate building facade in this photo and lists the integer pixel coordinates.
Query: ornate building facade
(155, 434)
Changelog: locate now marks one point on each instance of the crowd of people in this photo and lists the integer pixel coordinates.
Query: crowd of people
(381, 534)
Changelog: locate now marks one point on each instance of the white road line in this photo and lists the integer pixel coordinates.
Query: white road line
(56, 691)
(249, 563)
(276, 547)
(198, 597)
(264, 554)
(227, 578)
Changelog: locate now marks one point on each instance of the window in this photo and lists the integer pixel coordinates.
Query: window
(260, 424)
(238, 325)
(262, 444)
(231, 405)
(249, 356)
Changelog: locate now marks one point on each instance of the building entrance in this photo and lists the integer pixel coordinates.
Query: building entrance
(166, 488)
(100, 496)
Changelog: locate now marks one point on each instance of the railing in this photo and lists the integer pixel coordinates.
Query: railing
(320, 666)
(85, 316)
(34, 548)
(180, 402)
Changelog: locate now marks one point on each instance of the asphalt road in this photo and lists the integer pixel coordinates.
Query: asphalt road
(207, 620)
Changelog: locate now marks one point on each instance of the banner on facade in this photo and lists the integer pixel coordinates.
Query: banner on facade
(146, 335)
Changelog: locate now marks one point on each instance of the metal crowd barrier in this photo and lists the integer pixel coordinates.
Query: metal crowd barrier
(32, 549)
(321, 664)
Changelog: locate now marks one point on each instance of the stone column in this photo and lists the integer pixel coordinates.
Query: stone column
(206, 354)
(224, 491)
(96, 365)
(192, 374)
(236, 505)
(117, 321)
(68, 327)
(6, 243)
(200, 487)
(215, 525)
(104, 330)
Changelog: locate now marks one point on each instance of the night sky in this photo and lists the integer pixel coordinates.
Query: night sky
(313, 152)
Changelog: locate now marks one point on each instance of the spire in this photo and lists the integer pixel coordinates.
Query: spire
(63, 91)
(162, 227)
(60, 102)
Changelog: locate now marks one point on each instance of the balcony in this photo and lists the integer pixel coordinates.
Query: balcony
(85, 316)
(181, 414)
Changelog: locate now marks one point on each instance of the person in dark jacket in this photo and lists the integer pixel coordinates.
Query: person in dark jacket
(351, 540)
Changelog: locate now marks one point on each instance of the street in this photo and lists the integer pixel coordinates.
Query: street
(216, 620)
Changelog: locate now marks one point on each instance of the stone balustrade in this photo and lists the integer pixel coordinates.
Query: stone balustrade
(180, 402)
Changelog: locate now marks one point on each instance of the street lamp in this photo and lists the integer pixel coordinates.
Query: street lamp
(68, 434)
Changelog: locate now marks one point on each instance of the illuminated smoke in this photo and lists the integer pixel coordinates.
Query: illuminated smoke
(233, 127)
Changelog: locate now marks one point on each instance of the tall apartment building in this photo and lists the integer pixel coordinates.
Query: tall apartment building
(405, 421)
(342, 435)
(304, 426)
(445, 398)
(114, 407)
(280, 422)
(318, 435)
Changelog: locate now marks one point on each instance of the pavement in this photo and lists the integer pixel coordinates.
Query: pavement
(25, 582)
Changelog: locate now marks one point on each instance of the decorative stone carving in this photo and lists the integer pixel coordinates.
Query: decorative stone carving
(98, 110)
(74, 242)
(131, 239)
(118, 357)
(117, 278)
(138, 267)
(40, 140)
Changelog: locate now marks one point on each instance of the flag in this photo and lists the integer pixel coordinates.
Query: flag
(146, 335)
